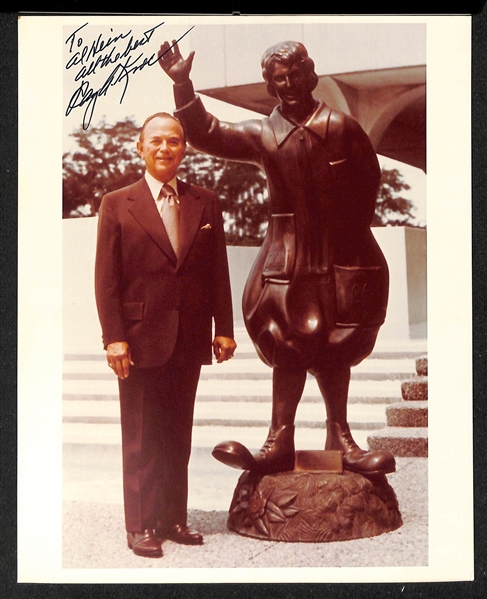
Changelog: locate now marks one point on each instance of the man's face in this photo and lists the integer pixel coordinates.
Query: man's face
(162, 148)
(290, 84)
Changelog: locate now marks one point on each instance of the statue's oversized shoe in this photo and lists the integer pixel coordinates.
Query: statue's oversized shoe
(277, 454)
(369, 462)
(234, 454)
(356, 459)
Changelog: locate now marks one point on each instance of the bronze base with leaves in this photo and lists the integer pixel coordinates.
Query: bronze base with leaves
(313, 507)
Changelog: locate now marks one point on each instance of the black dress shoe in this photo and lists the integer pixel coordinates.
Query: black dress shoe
(181, 534)
(144, 543)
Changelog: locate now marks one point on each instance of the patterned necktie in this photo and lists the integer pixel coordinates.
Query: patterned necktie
(170, 215)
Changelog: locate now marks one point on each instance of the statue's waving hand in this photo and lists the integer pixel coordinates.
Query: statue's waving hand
(173, 64)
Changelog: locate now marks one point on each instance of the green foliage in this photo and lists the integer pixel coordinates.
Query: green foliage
(241, 189)
(106, 159)
(390, 208)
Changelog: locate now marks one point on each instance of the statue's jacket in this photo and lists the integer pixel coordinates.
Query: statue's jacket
(317, 292)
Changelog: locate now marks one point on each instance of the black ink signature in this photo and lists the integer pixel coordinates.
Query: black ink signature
(101, 54)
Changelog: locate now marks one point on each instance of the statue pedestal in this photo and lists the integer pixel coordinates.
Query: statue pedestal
(313, 507)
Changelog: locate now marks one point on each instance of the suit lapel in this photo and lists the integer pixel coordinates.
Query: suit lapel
(144, 210)
(190, 210)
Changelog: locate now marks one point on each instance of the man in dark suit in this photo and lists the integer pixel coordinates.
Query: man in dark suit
(161, 278)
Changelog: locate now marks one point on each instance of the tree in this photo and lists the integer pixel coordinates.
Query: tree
(390, 208)
(241, 189)
(106, 159)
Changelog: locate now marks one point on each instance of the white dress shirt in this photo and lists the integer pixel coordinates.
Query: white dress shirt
(155, 188)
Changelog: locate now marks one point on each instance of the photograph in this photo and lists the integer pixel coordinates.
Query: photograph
(254, 241)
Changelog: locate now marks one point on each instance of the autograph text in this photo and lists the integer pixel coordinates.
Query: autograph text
(121, 54)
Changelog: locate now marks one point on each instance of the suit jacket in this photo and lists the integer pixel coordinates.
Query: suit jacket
(144, 294)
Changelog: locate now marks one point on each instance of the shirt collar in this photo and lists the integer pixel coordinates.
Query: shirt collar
(317, 122)
(155, 185)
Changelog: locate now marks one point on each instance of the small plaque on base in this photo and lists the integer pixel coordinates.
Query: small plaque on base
(329, 461)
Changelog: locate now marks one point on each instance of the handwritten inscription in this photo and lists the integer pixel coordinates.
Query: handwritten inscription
(118, 54)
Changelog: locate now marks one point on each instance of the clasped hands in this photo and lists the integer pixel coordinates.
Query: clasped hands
(120, 360)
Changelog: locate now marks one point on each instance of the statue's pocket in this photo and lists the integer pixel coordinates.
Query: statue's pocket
(281, 254)
(361, 295)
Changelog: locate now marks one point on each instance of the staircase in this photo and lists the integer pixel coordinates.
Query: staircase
(406, 433)
(234, 399)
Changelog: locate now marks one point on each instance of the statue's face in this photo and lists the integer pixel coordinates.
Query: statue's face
(290, 84)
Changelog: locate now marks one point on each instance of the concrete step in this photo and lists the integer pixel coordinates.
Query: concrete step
(96, 363)
(422, 366)
(231, 390)
(406, 433)
(249, 369)
(401, 441)
(231, 397)
(236, 414)
(408, 414)
(103, 435)
(415, 389)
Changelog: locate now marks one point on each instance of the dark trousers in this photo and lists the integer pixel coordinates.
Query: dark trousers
(157, 407)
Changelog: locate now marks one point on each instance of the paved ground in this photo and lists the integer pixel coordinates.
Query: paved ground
(93, 495)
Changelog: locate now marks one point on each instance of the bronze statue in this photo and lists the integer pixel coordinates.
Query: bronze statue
(317, 293)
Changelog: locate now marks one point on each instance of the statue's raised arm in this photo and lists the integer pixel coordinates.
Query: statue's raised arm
(173, 64)
(206, 133)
